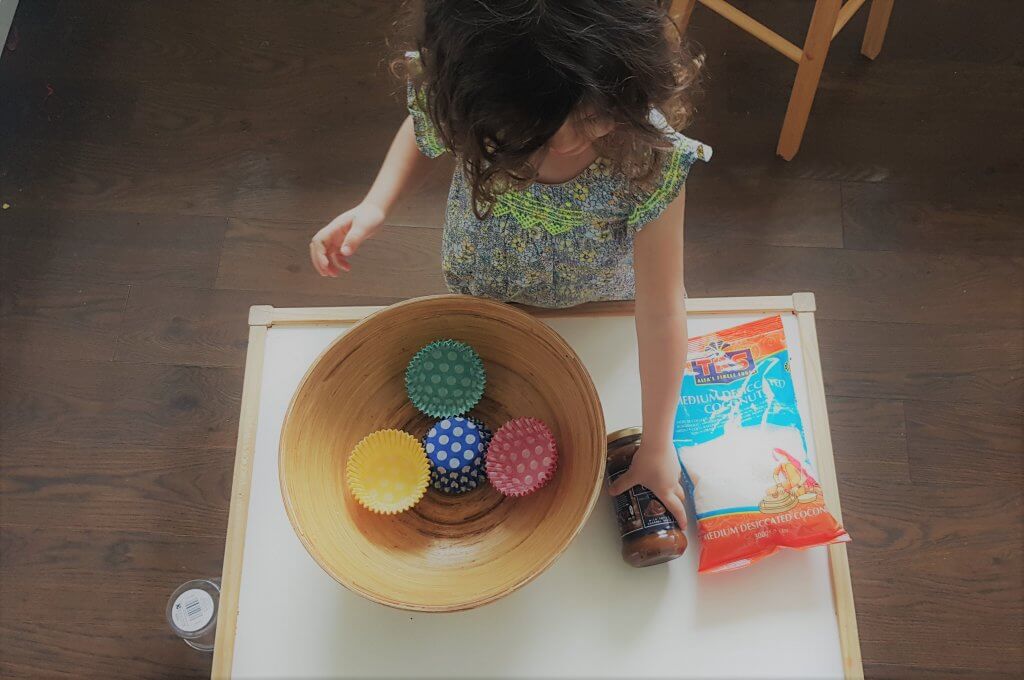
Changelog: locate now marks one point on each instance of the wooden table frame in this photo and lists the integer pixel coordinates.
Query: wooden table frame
(263, 317)
(830, 16)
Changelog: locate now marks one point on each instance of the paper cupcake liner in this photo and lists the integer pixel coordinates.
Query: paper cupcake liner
(457, 482)
(455, 449)
(445, 378)
(486, 435)
(454, 443)
(388, 472)
(522, 457)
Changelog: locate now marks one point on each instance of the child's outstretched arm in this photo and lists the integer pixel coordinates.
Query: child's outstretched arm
(404, 168)
(661, 336)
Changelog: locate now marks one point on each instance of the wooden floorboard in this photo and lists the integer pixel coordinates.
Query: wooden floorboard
(731, 208)
(166, 163)
(180, 491)
(944, 364)
(927, 559)
(118, 404)
(943, 436)
(943, 217)
(892, 287)
(400, 261)
(199, 326)
(73, 320)
(101, 247)
(869, 439)
(60, 616)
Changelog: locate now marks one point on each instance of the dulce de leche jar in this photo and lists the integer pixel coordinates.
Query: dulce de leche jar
(650, 535)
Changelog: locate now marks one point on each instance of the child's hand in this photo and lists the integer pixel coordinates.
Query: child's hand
(334, 244)
(657, 468)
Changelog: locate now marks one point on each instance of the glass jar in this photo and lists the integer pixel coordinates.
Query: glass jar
(650, 534)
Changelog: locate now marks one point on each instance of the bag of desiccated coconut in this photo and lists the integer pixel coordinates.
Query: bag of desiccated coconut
(742, 447)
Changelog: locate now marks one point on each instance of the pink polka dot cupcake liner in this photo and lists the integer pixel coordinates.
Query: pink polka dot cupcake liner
(522, 457)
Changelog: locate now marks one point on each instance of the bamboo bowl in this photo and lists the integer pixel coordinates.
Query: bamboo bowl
(447, 553)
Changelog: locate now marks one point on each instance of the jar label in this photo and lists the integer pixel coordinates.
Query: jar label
(640, 512)
(192, 610)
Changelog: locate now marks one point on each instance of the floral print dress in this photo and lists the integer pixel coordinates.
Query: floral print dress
(553, 245)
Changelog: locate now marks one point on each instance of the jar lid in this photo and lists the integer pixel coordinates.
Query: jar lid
(192, 608)
(625, 433)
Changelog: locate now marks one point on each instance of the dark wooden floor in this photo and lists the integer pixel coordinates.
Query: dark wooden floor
(166, 162)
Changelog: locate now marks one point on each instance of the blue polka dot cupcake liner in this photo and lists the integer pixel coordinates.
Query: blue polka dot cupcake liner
(486, 434)
(457, 482)
(455, 447)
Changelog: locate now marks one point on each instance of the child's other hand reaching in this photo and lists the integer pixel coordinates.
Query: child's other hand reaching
(657, 468)
(404, 168)
(340, 239)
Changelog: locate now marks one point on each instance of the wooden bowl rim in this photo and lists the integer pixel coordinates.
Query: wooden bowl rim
(587, 388)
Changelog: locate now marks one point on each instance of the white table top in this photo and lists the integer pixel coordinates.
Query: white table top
(589, 615)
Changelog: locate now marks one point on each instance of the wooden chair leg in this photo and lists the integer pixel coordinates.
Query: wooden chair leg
(680, 12)
(878, 21)
(819, 36)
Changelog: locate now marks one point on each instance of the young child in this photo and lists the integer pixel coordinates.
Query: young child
(569, 185)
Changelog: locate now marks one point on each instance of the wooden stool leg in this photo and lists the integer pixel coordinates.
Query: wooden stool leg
(819, 36)
(878, 21)
(680, 12)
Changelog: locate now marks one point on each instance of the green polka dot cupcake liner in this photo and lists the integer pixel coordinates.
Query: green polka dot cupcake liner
(445, 379)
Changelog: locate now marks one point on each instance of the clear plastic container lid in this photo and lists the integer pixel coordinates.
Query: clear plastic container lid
(192, 612)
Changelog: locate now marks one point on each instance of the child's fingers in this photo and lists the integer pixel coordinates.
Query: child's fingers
(336, 229)
(351, 244)
(681, 517)
(676, 507)
(340, 262)
(318, 256)
(357, 233)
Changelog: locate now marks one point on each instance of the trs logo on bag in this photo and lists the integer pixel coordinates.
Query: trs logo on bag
(720, 365)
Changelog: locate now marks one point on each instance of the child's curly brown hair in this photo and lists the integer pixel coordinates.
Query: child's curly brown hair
(500, 77)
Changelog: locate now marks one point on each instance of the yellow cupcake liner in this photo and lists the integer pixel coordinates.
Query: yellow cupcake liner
(388, 472)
